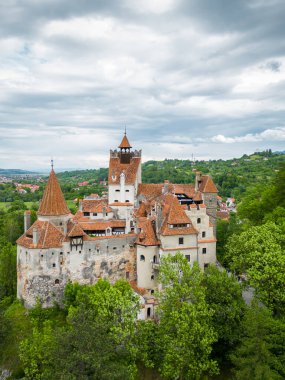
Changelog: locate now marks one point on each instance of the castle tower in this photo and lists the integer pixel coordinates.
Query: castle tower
(124, 176)
(53, 207)
(125, 150)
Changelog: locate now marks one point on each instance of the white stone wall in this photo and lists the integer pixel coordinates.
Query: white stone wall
(115, 193)
(146, 256)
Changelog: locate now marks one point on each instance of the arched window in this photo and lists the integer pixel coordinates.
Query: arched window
(56, 281)
(152, 277)
(142, 258)
(199, 220)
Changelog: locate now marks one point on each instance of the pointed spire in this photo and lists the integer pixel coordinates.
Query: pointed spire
(125, 142)
(53, 202)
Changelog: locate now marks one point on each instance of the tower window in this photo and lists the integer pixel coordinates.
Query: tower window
(204, 250)
(180, 240)
(203, 234)
(199, 220)
(127, 191)
(53, 265)
(56, 281)
(127, 275)
(142, 258)
(152, 277)
(187, 257)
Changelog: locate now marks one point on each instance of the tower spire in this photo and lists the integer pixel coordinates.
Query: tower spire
(53, 202)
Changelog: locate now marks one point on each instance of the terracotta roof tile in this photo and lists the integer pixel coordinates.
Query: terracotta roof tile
(95, 205)
(53, 202)
(76, 231)
(93, 225)
(49, 236)
(207, 185)
(147, 235)
(125, 143)
(130, 170)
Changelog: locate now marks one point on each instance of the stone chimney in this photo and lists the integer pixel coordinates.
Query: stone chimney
(198, 180)
(35, 236)
(27, 220)
(165, 188)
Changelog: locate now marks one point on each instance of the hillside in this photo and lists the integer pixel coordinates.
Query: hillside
(231, 176)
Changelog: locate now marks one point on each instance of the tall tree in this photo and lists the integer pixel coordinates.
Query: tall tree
(260, 354)
(259, 252)
(8, 274)
(185, 333)
(224, 297)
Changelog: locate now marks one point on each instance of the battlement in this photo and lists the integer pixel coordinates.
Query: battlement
(116, 154)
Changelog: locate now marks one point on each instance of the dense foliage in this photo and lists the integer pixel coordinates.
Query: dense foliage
(203, 325)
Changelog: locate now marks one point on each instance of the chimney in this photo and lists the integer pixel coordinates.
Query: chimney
(165, 189)
(198, 180)
(27, 220)
(35, 236)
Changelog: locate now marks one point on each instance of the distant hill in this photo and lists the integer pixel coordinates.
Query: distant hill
(11, 172)
(232, 177)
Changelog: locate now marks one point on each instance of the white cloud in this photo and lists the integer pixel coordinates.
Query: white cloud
(277, 134)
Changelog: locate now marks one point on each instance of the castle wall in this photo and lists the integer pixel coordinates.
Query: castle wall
(44, 273)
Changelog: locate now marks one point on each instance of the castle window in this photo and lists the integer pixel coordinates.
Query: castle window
(68, 253)
(127, 191)
(206, 265)
(53, 265)
(116, 200)
(180, 240)
(152, 291)
(56, 281)
(199, 220)
(117, 190)
(52, 253)
(114, 248)
(79, 251)
(148, 312)
(127, 200)
(152, 277)
(187, 257)
(60, 223)
(142, 258)
(154, 259)
(94, 213)
(203, 234)
(42, 255)
(61, 253)
(86, 213)
(127, 275)
(204, 250)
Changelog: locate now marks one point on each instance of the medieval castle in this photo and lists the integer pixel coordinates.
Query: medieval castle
(122, 236)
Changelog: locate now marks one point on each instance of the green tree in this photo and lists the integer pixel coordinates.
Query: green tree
(224, 297)
(8, 270)
(260, 354)
(185, 330)
(259, 252)
(97, 342)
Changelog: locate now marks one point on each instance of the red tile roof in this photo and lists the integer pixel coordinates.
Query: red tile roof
(207, 185)
(125, 143)
(95, 205)
(146, 236)
(130, 170)
(93, 225)
(53, 202)
(49, 236)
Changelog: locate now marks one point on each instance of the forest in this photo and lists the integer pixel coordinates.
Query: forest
(204, 328)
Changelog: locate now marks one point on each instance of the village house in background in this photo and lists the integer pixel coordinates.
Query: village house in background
(121, 235)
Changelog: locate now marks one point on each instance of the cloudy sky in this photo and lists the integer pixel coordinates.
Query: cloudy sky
(202, 77)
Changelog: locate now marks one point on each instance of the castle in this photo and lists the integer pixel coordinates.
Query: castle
(122, 236)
